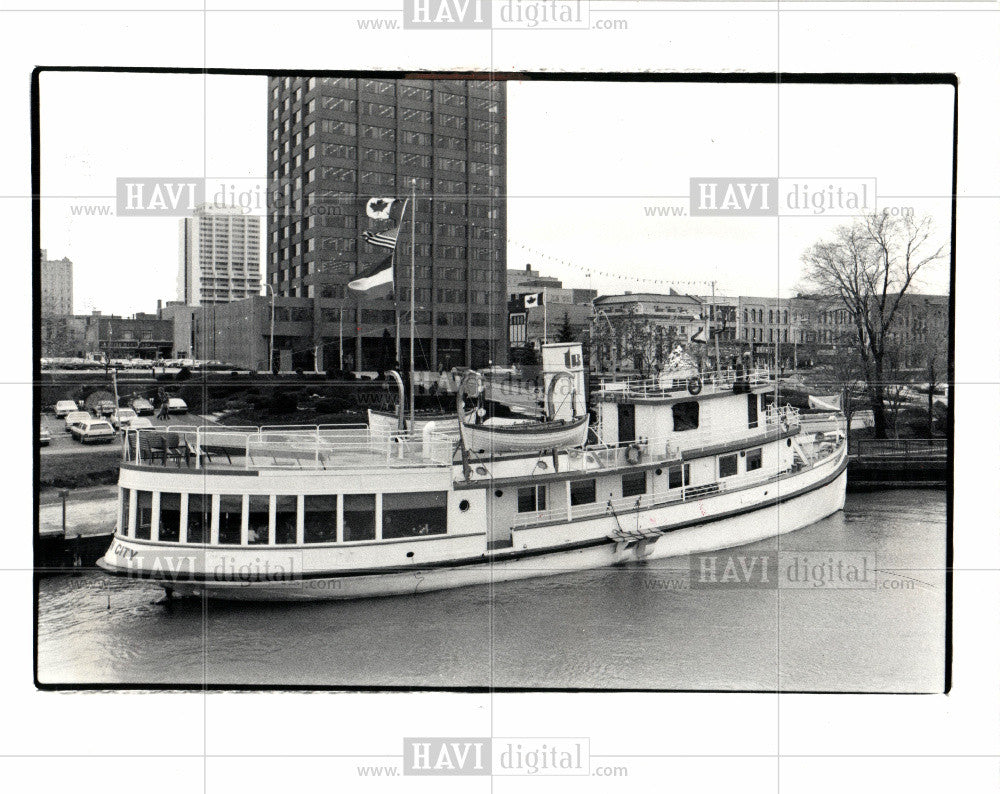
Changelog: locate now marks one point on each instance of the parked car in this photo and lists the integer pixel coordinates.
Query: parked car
(122, 418)
(93, 431)
(104, 408)
(75, 418)
(140, 423)
(176, 405)
(44, 436)
(64, 407)
(142, 406)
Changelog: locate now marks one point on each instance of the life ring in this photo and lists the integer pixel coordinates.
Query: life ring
(633, 454)
(694, 385)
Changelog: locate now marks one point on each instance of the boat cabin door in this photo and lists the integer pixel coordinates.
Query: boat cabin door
(626, 422)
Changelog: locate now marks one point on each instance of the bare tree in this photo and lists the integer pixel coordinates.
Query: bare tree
(632, 337)
(868, 267)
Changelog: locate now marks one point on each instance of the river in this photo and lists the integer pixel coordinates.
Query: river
(637, 627)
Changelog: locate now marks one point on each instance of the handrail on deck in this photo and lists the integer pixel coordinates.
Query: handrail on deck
(670, 382)
(314, 446)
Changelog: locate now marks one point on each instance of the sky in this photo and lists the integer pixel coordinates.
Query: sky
(589, 163)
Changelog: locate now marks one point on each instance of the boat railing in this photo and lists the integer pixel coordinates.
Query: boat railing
(677, 383)
(284, 447)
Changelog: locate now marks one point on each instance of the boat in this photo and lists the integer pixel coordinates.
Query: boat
(672, 467)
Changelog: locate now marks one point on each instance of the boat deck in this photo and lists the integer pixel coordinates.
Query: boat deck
(313, 448)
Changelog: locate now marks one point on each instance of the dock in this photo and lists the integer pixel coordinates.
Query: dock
(875, 464)
(79, 536)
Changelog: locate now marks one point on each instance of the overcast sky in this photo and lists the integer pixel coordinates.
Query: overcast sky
(587, 164)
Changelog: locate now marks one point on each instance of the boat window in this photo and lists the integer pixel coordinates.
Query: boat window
(407, 515)
(677, 477)
(320, 519)
(170, 517)
(359, 517)
(633, 483)
(583, 492)
(727, 465)
(199, 511)
(258, 518)
(755, 459)
(143, 514)
(531, 499)
(230, 518)
(126, 495)
(285, 518)
(685, 416)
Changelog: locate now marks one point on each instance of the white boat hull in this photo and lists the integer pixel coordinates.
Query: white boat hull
(721, 521)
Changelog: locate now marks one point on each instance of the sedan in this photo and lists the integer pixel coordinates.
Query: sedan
(64, 407)
(122, 418)
(176, 405)
(140, 423)
(104, 408)
(44, 436)
(93, 430)
(142, 406)
(75, 418)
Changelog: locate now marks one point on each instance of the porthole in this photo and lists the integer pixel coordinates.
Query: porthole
(409, 554)
(788, 442)
(463, 505)
(498, 493)
(659, 472)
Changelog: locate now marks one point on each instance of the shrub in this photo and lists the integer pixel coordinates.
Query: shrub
(284, 403)
(184, 373)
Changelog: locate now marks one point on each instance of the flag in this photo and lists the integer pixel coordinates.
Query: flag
(532, 300)
(375, 276)
(379, 208)
(386, 239)
(701, 334)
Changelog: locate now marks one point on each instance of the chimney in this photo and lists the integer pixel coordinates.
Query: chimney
(527, 268)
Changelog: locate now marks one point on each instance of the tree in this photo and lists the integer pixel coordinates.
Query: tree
(631, 336)
(867, 268)
(566, 330)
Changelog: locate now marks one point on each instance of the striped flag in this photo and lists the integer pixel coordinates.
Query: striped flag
(374, 276)
(386, 239)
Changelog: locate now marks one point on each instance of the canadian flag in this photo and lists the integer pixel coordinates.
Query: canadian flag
(379, 208)
(532, 300)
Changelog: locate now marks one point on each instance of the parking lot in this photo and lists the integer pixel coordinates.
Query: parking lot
(62, 442)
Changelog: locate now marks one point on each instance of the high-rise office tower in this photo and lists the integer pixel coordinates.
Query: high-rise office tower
(57, 286)
(219, 256)
(335, 142)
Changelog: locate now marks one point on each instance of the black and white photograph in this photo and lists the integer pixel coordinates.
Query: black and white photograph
(469, 409)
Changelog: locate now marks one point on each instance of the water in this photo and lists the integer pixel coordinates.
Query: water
(626, 627)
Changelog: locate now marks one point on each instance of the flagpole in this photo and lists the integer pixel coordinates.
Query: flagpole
(413, 290)
(545, 318)
(718, 366)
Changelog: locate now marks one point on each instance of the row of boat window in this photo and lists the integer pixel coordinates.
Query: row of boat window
(533, 498)
(254, 519)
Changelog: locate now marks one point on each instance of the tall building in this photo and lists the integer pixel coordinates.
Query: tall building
(57, 286)
(335, 142)
(219, 256)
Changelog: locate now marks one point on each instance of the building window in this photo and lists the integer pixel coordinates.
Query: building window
(582, 492)
(633, 483)
(319, 519)
(678, 476)
(143, 514)
(408, 515)
(359, 517)
(685, 416)
(727, 465)
(170, 517)
(230, 518)
(531, 499)
(755, 459)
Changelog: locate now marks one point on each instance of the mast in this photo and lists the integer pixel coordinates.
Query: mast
(413, 288)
